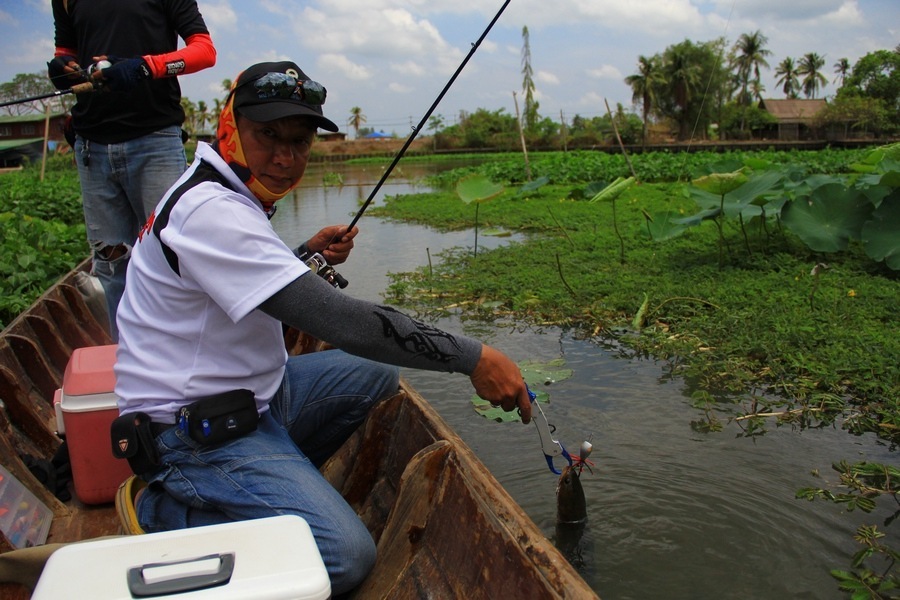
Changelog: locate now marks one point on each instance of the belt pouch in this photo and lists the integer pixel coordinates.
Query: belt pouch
(220, 417)
(132, 439)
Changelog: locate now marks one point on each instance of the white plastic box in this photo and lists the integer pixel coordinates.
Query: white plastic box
(271, 559)
(86, 409)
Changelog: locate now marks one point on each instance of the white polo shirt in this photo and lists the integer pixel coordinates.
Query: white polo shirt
(197, 332)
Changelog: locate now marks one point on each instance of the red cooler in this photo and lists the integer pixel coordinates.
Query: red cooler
(88, 406)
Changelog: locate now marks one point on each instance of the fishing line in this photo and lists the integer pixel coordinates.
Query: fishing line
(708, 85)
(428, 113)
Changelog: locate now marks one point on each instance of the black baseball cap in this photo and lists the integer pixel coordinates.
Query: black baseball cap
(264, 92)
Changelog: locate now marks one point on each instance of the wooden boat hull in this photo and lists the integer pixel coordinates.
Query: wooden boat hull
(443, 524)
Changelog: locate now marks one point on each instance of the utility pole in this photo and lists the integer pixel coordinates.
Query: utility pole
(522, 138)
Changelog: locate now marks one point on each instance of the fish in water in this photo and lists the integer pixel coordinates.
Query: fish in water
(571, 515)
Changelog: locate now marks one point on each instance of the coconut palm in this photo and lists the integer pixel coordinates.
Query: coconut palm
(841, 69)
(788, 78)
(749, 55)
(809, 68)
(190, 112)
(202, 116)
(683, 75)
(357, 118)
(757, 89)
(530, 116)
(643, 86)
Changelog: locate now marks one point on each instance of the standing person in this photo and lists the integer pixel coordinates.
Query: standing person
(209, 285)
(128, 144)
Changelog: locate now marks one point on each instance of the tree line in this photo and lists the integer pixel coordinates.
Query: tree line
(691, 90)
(694, 85)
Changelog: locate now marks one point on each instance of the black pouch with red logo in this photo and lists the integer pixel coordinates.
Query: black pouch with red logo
(132, 439)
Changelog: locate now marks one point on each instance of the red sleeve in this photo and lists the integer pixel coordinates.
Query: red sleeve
(65, 52)
(198, 54)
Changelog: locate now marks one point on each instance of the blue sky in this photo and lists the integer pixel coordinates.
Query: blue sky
(392, 57)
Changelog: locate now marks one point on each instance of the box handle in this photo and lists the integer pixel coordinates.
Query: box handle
(164, 578)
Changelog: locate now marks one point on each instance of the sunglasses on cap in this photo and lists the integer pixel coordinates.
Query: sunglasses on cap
(286, 87)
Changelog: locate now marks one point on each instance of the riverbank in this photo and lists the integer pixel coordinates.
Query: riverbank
(771, 332)
(340, 150)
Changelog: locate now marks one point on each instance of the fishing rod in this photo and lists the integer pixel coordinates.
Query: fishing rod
(89, 85)
(428, 113)
(78, 88)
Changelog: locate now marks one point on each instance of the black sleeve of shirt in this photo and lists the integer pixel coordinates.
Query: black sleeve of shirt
(186, 17)
(369, 330)
(63, 30)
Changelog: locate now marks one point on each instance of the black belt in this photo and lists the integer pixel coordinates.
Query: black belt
(159, 428)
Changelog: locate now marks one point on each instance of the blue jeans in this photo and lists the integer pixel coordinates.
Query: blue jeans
(120, 186)
(323, 399)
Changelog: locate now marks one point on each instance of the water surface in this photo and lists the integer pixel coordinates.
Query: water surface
(672, 513)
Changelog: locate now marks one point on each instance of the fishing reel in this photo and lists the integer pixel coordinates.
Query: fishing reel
(97, 66)
(318, 265)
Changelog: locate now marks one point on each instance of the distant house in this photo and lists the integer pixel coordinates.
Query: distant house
(23, 127)
(22, 137)
(796, 118)
(331, 136)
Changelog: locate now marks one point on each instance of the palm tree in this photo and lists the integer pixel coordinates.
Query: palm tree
(435, 124)
(190, 115)
(750, 55)
(757, 89)
(683, 75)
(788, 77)
(357, 118)
(530, 115)
(643, 86)
(202, 116)
(842, 69)
(219, 103)
(808, 68)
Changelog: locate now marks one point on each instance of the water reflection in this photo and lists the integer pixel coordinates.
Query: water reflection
(672, 513)
(382, 246)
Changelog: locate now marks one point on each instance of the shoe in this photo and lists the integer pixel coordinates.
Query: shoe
(126, 503)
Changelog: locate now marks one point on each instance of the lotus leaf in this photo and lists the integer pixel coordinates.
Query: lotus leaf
(721, 183)
(594, 188)
(534, 185)
(661, 226)
(881, 234)
(477, 188)
(537, 376)
(828, 218)
(613, 190)
(710, 213)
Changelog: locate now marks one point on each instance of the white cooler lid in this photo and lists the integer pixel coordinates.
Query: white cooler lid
(88, 402)
(273, 558)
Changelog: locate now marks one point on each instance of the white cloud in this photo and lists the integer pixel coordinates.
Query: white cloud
(39, 51)
(794, 10)
(399, 88)
(218, 15)
(546, 77)
(591, 99)
(605, 72)
(340, 63)
(408, 67)
(847, 15)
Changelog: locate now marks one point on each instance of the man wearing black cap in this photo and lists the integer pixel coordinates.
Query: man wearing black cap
(208, 288)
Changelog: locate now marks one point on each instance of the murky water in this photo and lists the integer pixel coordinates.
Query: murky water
(672, 513)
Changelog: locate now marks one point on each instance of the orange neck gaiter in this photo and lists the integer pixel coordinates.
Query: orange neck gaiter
(228, 145)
